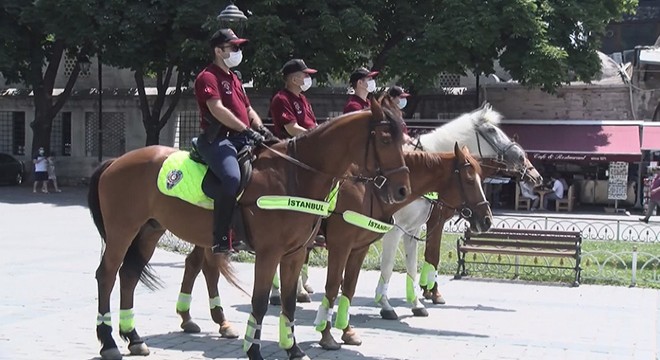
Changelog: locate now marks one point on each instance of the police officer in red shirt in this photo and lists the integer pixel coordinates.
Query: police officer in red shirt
(362, 81)
(399, 97)
(291, 112)
(228, 124)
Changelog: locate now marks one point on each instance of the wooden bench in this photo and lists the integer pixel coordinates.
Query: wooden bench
(519, 242)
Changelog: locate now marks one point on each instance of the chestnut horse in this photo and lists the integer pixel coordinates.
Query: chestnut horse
(131, 215)
(497, 152)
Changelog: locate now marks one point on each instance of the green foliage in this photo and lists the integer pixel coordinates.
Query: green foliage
(543, 43)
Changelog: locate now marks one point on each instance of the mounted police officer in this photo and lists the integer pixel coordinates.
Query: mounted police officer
(290, 110)
(228, 123)
(362, 82)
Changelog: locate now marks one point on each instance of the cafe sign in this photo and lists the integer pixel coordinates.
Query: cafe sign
(617, 183)
(580, 157)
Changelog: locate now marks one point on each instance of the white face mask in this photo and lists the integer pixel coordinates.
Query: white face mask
(235, 58)
(402, 103)
(371, 85)
(307, 83)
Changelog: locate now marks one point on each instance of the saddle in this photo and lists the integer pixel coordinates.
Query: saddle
(212, 186)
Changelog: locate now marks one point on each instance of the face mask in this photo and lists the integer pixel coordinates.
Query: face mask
(307, 83)
(235, 58)
(41, 152)
(371, 85)
(402, 103)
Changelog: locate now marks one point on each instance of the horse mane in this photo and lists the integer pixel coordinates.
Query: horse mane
(461, 127)
(434, 159)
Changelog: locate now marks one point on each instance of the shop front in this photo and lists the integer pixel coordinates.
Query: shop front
(582, 153)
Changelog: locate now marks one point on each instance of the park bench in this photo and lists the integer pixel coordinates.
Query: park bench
(515, 243)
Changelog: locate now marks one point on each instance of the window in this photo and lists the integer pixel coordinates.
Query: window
(12, 132)
(60, 134)
(114, 136)
(187, 128)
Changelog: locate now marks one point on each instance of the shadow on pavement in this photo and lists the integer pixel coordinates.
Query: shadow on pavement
(212, 346)
(70, 196)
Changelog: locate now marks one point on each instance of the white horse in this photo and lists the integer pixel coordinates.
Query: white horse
(479, 132)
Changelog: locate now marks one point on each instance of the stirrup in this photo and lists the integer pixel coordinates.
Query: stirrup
(219, 249)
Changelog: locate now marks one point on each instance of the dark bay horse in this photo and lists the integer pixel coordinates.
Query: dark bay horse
(131, 214)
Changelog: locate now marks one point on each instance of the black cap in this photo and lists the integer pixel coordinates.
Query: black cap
(396, 91)
(295, 65)
(226, 36)
(361, 73)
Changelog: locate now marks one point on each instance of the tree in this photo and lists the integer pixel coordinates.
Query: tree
(540, 43)
(165, 40)
(33, 40)
(328, 35)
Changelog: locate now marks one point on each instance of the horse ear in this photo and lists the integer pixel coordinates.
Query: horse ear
(465, 150)
(515, 137)
(457, 151)
(376, 110)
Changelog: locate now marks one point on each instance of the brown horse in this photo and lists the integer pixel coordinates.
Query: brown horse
(455, 175)
(436, 222)
(131, 214)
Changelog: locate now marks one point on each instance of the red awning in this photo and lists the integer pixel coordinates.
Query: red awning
(578, 142)
(651, 138)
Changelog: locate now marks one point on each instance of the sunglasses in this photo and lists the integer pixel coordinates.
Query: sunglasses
(230, 46)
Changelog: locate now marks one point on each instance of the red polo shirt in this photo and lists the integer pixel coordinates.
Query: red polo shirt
(287, 108)
(215, 83)
(355, 103)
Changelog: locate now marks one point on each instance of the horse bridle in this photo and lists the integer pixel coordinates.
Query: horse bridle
(381, 178)
(500, 151)
(464, 210)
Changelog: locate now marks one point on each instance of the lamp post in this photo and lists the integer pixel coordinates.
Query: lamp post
(231, 16)
(100, 115)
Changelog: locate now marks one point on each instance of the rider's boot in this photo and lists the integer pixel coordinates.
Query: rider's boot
(223, 210)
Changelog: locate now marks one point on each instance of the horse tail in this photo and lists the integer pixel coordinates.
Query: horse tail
(228, 272)
(135, 263)
(93, 197)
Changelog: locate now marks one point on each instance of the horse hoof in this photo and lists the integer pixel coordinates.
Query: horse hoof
(438, 299)
(308, 288)
(139, 349)
(303, 298)
(275, 300)
(389, 315)
(111, 354)
(329, 343)
(190, 327)
(428, 295)
(227, 331)
(351, 338)
(421, 312)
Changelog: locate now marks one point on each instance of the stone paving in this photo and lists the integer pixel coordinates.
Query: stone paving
(50, 251)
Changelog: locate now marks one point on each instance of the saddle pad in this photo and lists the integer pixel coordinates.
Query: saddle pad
(181, 177)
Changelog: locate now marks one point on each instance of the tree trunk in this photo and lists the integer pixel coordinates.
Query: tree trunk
(153, 133)
(41, 126)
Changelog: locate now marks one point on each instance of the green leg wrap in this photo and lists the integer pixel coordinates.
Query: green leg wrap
(323, 315)
(126, 320)
(252, 328)
(286, 332)
(410, 289)
(215, 302)
(304, 272)
(381, 289)
(276, 281)
(424, 275)
(104, 319)
(342, 313)
(183, 304)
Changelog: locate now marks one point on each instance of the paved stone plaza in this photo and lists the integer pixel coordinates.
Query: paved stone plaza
(50, 251)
